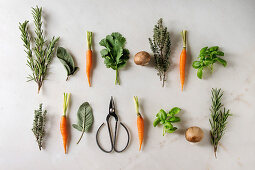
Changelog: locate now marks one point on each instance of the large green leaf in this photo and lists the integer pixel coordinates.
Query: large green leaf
(85, 118)
(67, 60)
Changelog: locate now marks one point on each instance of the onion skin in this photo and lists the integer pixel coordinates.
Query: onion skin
(142, 58)
(194, 134)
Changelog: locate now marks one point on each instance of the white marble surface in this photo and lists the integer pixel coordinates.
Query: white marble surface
(229, 24)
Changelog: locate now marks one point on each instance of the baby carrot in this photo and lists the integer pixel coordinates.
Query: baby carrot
(140, 123)
(63, 122)
(183, 59)
(89, 56)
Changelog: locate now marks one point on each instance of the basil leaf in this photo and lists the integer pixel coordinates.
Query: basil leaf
(168, 125)
(156, 122)
(200, 73)
(67, 60)
(220, 53)
(174, 111)
(215, 48)
(85, 118)
(203, 50)
(196, 64)
(171, 130)
(222, 61)
(174, 119)
(162, 115)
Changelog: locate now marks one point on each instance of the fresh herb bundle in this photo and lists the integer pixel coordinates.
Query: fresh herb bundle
(42, 50)
(218, 119)
(160, 46)
(115, 55)
(39, 125)
(207, 57)
(166, 119)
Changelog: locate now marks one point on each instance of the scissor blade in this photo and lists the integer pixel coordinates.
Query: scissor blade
(111, 106)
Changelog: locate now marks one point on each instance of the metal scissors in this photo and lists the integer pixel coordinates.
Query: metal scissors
(113, 140)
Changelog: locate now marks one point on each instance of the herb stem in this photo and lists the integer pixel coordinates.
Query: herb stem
(81, 136)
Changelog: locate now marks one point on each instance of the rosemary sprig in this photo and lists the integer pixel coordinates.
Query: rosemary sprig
(218, 119)
(43, 50)
(160, 46)
(39, 125)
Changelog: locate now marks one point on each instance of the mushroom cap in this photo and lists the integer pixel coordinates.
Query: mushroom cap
(194, 134)
(142, 58)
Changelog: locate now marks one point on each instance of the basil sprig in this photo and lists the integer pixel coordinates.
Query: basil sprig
(166, 119)
(207, 57)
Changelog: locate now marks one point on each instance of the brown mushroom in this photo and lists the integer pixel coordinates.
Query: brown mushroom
(142, 58)
(194, 134)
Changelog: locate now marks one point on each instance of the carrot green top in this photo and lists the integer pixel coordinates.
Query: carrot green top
(183, 33)
(136, 105)
(66, 102)
(89, 40)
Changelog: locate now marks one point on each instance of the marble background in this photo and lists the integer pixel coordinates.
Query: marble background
(228, 24)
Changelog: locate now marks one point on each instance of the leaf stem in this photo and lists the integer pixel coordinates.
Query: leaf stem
(117, 78)
(81, 136)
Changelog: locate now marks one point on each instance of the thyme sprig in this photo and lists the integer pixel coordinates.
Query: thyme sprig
(43, 50)
(160, 46)
(39, 125)
(218, 119)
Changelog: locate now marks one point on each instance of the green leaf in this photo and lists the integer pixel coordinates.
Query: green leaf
(174, 119)
(203, 50)
(220, 53)
(168, 125)
(79, 128)
(171, 130)
(85, 118)
(215, 48)
(174, 111)
(200, 73)
(196, 64)
(162, 115)
(156, 122)
(222, 61)
(67, 60)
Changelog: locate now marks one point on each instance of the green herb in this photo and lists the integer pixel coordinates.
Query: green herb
(85, 119)
(218, 119)
(67, 60)
(115, 55)
(160, 46)
(39, 125)
(42, 50)
(207, 57)
(166, 119)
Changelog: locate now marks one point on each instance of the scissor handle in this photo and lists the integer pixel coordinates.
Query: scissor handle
(115, 138)
(113, 141)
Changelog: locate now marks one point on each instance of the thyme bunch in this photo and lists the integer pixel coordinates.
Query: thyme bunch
(39, 125)
(218, 119)
(43, 50)
(160, 46)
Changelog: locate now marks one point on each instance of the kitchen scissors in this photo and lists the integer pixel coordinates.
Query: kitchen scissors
(112, 138)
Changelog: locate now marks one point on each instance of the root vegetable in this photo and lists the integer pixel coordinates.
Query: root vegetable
(194, 134)
(142, 58)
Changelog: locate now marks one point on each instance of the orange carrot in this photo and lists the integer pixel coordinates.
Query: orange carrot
(140, 123)
(183, 59)
(89, 56)
(63, 122)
